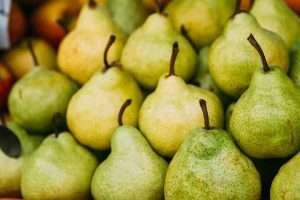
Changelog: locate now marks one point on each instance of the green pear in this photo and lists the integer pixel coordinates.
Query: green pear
(80, 53)
(203, 78)
(97, 103)
(59, 169)
(169, 114)
(39, 95)
(232, 60)
(128, 14)
(146, 53)
(286, 185)
(208, 165)
(11, 162)
(19, 59)
(204, 20)
(265, 120)
(295, 63)
(228, 115)
(276, 16)
(132, 171)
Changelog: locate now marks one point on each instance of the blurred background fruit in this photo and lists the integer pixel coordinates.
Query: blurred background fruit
(294, 4)
(6, 82)
(246, 4)
(17, 23)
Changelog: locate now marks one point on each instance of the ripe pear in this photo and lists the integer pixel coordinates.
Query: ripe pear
(146, 53)
(286, 185)
(203, 78)
(204, 20)
(265, 120)
(59, 169)
(295, 63)
(19, 145)
(232, 60)
(39, 95)
(169, 114)
(276, 16)
(97, 103)
(19, 59)
(80, 53)
(128, 14)
(132, 171)
(208, 165)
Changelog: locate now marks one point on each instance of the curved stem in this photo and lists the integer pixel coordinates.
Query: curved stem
(122, 110)
(258, 48)
(175, 52)
(203, 106)
(32, 52)
(110, 42)
(237, 8)
(92, 4)
(185, 33)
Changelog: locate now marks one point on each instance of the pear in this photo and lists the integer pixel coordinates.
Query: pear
(128, 14)
(36, 97)
(286, 185)
(59, 169)
(97, 103)
(79, 54)
(19, 58)
(265, 120)
(208, 165)
(15, 146)
(276, 16)
(203, 78)
(147, 50)
(232, 60)
(204, 20)
(132, 171)
(295, 63)
(169, 114)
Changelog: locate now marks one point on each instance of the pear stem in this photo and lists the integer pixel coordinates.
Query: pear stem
(32, 52)
(237, 8)
(110, 42)
(2, 119)
(175, 52)
(159, 6)
(258, 48)
(57, 121)
(92, 3)
(203, 106)
(122, 110)
(185, 33)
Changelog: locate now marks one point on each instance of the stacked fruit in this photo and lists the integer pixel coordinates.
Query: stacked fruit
(126, 100)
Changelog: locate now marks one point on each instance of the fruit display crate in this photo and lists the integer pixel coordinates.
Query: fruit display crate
(149, 99)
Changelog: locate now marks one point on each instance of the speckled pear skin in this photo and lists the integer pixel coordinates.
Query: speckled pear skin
(128, 14)
(146, 54)
(133, 171)
(96, 105)
(208, 166)
(172, 111)
(232, 60)
(10, 168)
(59, 169)
(295, 63)
(286, 185)
(278, 18)
(38, 96)
(265, 120)
(80, 54)
(203, 19)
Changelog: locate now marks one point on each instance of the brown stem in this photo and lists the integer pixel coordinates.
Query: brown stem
(237, 7)
(122, 110)
(159, 6)
(57, 121)
(258, 48)
(185, 33)
(32, 52)
(175, 52)
(203, 106)
(92, 4)
(110, 42)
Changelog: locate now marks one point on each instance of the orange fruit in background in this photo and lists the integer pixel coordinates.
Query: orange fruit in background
(246, 4)
(17, 23)
(151, 4)
(294, 4)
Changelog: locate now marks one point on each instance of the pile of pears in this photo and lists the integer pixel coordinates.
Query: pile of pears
(191, 100)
